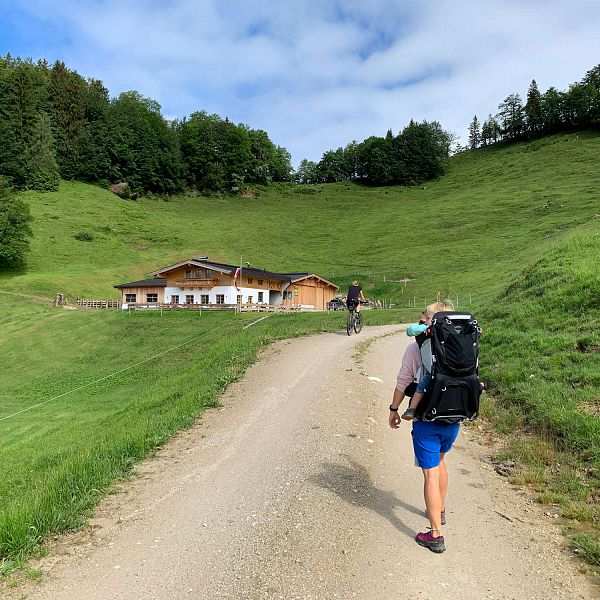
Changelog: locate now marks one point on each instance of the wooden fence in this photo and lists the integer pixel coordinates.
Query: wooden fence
(98, 303)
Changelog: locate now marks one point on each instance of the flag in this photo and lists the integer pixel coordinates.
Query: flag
(235, 277)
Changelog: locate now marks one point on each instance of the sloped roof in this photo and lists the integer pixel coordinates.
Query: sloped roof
(295, 277)
(197, 263)
(156, 282)
(248, 271)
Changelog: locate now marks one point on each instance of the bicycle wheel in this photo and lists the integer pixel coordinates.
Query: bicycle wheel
(358, 322)
(350, 322)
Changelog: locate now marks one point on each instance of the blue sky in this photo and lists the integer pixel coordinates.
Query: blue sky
(314, 74)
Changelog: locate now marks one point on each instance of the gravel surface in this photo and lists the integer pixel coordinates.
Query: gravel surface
(297, 489)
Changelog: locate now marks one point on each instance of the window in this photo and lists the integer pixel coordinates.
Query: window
(208, 273)
(150, 298)
(188, 274)
(239, 299)
(250, 299)
(260, 282)
(250, 280)
(220, 298)
(130, 298)
(198, 273)
(287, 295)
(175, 299)
(260, 296)
(204, 299)
(189, 299)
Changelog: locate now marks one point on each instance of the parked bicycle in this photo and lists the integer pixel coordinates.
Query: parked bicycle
(355, 320)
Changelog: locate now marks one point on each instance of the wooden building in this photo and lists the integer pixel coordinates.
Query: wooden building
(202, 282)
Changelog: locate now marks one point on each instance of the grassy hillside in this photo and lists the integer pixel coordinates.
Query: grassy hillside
(464, 234)
(514, 228)
(542, 364)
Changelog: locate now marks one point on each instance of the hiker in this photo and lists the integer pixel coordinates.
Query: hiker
(431, 439)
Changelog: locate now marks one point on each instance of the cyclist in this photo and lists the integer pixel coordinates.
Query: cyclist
(355, 296)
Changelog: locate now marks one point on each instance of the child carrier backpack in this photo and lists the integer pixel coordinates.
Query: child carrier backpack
(451, 347)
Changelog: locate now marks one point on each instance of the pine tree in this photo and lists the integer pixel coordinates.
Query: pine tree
(21, 116)
(67, 95)
(553, 117)
(486, 134)
(533, 109)
(40, 159)
(474, 134)
(94, 162)
(512, 116)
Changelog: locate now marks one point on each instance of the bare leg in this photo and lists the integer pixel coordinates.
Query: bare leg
(414, 401)
(443, 480)
(433, 498)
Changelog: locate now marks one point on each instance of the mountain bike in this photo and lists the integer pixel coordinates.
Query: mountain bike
(354, 321)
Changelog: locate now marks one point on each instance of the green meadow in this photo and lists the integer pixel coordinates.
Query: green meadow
(512, 232)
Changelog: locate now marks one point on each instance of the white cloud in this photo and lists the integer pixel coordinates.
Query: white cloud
(317, 74)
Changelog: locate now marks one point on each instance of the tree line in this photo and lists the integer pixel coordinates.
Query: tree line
(417, 153)
(552, 112)
(56, 124)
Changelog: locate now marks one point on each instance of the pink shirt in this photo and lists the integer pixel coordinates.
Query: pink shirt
(411, 365)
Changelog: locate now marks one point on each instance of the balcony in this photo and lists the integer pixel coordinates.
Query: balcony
(192, 283)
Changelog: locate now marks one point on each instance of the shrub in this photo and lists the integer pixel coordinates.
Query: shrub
(84, 236)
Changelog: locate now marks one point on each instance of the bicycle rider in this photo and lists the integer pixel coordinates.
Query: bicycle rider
(355, 297)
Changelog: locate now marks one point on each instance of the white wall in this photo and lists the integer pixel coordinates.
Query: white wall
(228, 291)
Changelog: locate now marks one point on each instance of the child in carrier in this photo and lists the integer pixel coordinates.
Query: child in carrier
(416, 329)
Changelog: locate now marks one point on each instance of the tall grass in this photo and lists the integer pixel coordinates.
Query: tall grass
(542, 365)
(60, 457)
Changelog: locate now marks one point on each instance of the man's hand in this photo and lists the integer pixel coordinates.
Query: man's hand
(394, 419)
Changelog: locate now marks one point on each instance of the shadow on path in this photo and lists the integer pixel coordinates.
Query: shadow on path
(353, 484)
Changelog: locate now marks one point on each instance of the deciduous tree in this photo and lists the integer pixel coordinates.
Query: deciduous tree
(14, 227)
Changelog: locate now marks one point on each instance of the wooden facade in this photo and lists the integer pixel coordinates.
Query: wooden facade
(201, 282)
(310, 291)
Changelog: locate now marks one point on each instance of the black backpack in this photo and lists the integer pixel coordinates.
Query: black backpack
(453, 343)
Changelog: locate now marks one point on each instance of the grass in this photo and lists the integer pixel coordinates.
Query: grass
(473, 228)
(515, 230)
(61, 457)
(542, 366)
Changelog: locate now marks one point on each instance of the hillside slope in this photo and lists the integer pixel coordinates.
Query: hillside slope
(494, 211)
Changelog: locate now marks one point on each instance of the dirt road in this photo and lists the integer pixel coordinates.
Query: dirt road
(297, 488)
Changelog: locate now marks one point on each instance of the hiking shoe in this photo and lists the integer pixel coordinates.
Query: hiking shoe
(409, 414)
(435, 544)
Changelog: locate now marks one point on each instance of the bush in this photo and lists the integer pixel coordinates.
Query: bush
(84, 236)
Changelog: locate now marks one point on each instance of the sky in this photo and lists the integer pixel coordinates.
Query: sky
(315, 74)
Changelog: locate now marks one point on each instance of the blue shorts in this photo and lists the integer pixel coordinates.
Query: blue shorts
(429, 439)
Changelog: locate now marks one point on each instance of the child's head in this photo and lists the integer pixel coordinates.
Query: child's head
(355, 282)
(436, 307)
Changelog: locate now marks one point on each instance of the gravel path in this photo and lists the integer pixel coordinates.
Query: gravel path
(297, 488)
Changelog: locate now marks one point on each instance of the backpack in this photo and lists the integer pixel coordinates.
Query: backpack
(451, 346)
